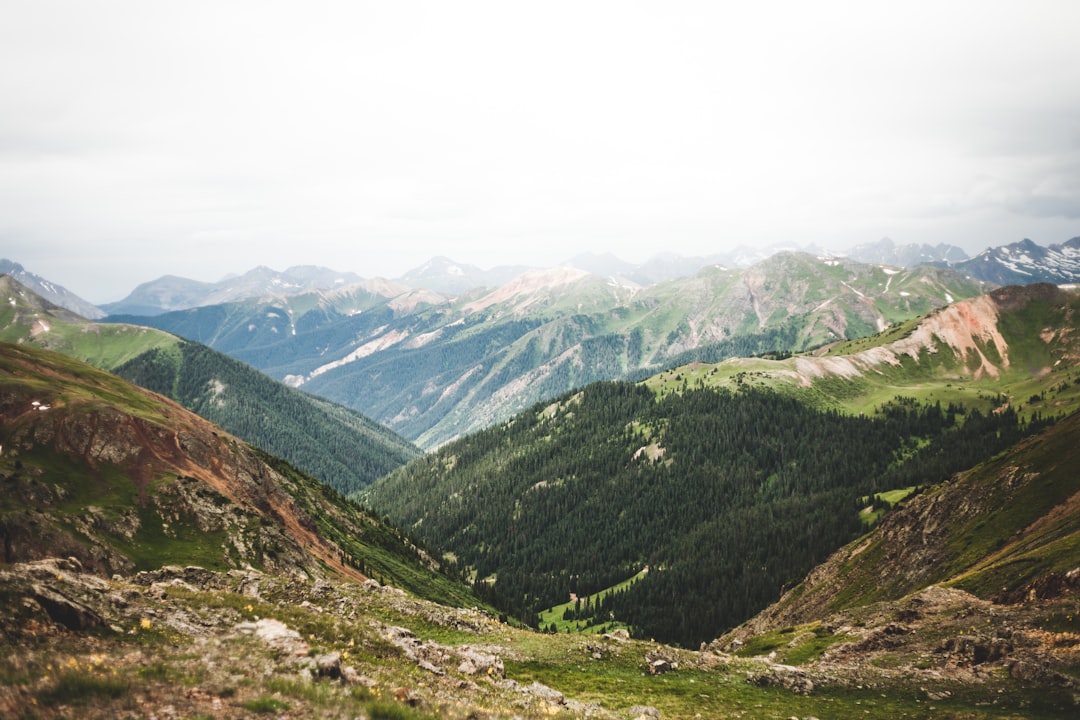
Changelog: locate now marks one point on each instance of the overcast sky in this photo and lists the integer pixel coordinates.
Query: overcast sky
(144, 138)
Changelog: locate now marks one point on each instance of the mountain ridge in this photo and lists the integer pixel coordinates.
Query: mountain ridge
(56, 294)
(125, 479)
(339, 445)
(962, 383)
(1026, 262)
(436, 367)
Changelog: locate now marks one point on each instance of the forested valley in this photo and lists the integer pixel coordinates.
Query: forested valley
(727, 497)
(339, 446)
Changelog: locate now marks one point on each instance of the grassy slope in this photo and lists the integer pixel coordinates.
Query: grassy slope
(1042, 375)
(71, 389)
(216, 671)
(995, 530)
(25, 317)
(554, 615)
(336, 444)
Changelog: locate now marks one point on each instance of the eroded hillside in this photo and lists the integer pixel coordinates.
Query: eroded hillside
(124, 480)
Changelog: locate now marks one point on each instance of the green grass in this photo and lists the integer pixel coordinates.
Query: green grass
(554, 615)
(792, 645)
(78, 687)
(264, 705)
(869, 517)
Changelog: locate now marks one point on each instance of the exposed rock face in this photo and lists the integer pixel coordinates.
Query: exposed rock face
(154, 472)
(789, 678)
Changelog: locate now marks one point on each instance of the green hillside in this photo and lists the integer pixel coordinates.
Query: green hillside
(96, 468)
(1016, 346)
(732, 480)
(339, 446)
(1013, 532)
(434, 368)
(333, 443)
(726, 496)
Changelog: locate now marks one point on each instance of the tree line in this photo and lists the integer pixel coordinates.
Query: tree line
(743, 493)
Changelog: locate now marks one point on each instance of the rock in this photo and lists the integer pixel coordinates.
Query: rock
(328, 665)
(475, 662)
(545, 693)
(970, 649)
(784, 676)
(430, 667)
(351, 676)
(276, 634)
(644, 712)
(72, 614)
(659, 667)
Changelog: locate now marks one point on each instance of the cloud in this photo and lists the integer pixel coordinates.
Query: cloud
(369, 137)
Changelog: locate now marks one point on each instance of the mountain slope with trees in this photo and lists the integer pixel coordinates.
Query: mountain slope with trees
(729, 482)
(434, 368)
(338, 445)
(726, 497)
(125, 480)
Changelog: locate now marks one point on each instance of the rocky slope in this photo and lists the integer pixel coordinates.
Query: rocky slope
(122, 480)
(976, 577)
(182, 642)
(337, 445)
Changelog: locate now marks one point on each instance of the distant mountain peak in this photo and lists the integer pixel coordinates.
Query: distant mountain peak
(886, 252)
(56, 294)
(1026, 262)
(444, 275)
(171, 292)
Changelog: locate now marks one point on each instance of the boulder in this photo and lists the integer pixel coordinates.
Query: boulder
(72, 614)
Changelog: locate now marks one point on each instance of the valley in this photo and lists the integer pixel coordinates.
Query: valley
(851, 524)
(435, 367)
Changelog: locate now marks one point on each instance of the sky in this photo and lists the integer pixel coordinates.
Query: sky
(143, 138)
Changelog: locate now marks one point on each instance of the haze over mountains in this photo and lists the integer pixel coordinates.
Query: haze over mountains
(339, 446)
(675, 507)
(979, 621)
(445, 276)
(435, 367)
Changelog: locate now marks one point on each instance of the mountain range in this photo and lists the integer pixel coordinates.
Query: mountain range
(157, 565)
(886, 252)
(1025, 262)
(732, 480)
(434, 367)
(176, 293)
(335, 444)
